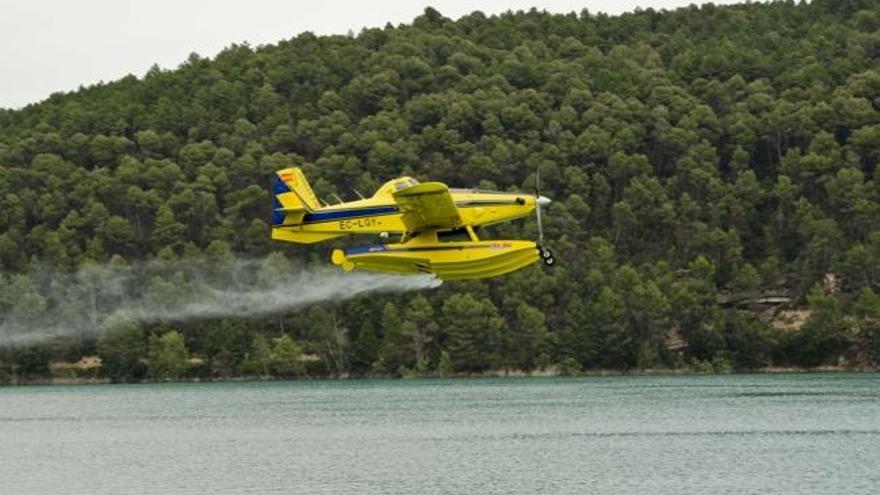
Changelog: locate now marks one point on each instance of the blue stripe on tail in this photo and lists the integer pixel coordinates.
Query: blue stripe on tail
(278, 187)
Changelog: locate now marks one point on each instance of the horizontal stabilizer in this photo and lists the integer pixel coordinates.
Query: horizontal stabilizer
(292, 215)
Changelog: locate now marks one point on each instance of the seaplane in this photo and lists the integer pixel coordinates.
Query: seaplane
(423, 227)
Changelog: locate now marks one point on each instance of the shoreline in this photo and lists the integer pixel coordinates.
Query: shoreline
(550, 373)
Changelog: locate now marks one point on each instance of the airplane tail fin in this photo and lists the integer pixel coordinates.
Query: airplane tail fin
(293, 199)
(292, 194)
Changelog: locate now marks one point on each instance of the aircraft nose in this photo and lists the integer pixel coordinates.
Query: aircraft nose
(544, 200)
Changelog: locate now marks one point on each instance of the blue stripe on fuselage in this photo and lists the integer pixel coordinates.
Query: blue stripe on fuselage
(327, 216)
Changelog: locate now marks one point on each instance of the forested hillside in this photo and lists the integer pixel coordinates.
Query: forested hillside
(698, 159)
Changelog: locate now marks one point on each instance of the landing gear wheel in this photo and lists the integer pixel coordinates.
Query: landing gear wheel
(547, 256)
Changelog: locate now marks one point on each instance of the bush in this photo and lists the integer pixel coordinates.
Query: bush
(569, 367)
(122, 350)
(167, 356)
(5, 375)
(445, 367)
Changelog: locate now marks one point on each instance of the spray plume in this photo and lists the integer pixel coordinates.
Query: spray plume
(47, 304)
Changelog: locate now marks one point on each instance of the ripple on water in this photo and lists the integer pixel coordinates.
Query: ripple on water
(805, 433)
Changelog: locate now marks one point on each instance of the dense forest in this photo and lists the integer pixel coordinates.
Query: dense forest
(713, 170)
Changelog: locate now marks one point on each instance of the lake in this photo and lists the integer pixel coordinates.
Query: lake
(786, 433)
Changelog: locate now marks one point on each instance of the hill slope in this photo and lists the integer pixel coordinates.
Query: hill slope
(696, 157)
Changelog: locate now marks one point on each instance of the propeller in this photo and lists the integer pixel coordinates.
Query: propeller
(538, 204)
(541, 201)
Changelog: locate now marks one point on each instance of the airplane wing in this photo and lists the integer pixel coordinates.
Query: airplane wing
(427, 206)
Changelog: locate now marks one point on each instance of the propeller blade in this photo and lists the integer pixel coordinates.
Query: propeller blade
(539, 202)
(540, 225)
(537, 181)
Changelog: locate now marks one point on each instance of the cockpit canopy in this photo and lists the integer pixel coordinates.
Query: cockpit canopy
(395, 185)
(404, 182)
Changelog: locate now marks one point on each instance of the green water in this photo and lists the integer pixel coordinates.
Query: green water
(816, 433)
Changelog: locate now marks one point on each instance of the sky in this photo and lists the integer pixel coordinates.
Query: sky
(48, 46)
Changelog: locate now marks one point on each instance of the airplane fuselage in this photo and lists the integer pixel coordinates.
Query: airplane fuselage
(381, 214)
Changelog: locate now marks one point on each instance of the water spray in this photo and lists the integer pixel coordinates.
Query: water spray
(95, 297)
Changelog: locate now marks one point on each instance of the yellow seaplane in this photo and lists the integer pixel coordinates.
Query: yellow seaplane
(425, 227)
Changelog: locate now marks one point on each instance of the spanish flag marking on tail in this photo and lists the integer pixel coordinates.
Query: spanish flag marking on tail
(288, 177)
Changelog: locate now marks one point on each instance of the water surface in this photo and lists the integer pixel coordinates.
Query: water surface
(799, 433)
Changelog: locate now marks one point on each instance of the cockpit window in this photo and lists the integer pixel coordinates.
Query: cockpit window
(403, 183)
